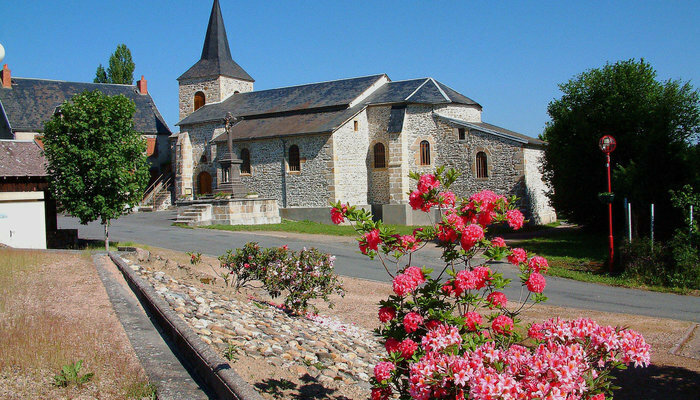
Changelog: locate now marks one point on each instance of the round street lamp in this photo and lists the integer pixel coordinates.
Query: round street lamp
(607, 145)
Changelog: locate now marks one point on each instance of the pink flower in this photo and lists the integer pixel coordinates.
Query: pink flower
(498, 242)
(370, 240)
(381, 393)
(406, 243)
(427, 182)
(386, 314)
(391, 345)
(515, 219)
(382, 371)
(470, 235)
(404, 284)
(416, 274)
(447, 199)
(599, 396)
(407, 347)
(536, 283)
(497, 299)
(502, 324)
(411, 322)
(538, 264)
(517, 256)
(472, 320)
(535, 332)
(485, 218)
(415, 200)
(338, 215)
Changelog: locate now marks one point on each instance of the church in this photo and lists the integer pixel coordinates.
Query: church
(353, 140)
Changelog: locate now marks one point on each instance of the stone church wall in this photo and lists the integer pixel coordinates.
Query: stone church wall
(378, 178)
(505, 157)
(203, 153)
(539, 207)
(350, 152)
(214, 89)
(270, 176)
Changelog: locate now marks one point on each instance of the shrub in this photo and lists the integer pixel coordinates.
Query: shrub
(300, 276)
(457, 336)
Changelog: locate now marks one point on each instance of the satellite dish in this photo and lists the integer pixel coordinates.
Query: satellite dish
(2, 52)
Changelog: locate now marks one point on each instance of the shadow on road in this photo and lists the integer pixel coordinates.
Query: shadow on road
(657, 383)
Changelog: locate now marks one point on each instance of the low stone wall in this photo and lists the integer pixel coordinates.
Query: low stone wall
(315, 214)
(245, 212)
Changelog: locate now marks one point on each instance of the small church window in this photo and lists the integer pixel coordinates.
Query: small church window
(424, 153)
(355, 125)
(199, 100)
(294, 164)
(245, 157)
(462, 133)
(379, 156)
(481, 165)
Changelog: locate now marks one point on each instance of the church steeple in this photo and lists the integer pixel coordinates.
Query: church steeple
(216, 55)
(215, 77)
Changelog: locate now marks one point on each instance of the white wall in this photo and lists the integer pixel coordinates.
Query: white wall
(22, 223)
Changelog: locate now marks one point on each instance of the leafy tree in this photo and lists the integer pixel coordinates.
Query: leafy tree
(120, 70)
(96, 161)
(656, 125)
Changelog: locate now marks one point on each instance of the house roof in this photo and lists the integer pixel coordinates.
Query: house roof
(31, 102)
(494, 130)
(216, 55)
(21, 158)
(314, 97)
(422, 91)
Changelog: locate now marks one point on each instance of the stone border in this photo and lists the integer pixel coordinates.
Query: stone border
(677, 348)
(211, 368)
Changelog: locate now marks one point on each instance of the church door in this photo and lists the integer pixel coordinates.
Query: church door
(204, 183)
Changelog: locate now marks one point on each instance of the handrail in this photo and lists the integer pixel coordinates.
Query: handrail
(159, 189)
(154, 188)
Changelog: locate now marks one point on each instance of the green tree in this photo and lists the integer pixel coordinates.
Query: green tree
(120, 70)
(656, 125)
(96, 161)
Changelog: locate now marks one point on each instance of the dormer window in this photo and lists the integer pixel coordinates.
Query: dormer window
(199, 100)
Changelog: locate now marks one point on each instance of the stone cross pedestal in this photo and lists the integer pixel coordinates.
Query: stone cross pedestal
(231, 165)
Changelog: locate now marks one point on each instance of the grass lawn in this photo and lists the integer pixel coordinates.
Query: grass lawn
(576, 254)
(305, 227)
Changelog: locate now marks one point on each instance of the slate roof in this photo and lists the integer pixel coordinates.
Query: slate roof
(21, 158)
(494, 130)
(422, 91)
(30, 102)
(291, 124)
(323, 96)
(216, 55)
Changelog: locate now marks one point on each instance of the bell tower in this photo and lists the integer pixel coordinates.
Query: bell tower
(215, 76)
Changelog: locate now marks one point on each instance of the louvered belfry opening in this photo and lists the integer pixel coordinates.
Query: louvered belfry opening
(294, 164)
(424, 153)
(481, 165)
(379, 156)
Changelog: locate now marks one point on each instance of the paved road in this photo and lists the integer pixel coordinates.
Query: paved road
(155, 229)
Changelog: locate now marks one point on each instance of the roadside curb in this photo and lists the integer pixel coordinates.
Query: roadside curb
(677, 348)
(211, 368)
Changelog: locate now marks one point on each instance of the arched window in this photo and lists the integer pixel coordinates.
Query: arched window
(294, 164)
(199, 100)
(482, 170)
(236, 92)
(379, 156)
(245, 166)
(424, 153)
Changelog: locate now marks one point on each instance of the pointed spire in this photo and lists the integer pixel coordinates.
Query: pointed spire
(216, 55)
(215, 41)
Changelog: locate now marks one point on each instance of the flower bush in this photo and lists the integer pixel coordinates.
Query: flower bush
(299, 276)
(453, 333)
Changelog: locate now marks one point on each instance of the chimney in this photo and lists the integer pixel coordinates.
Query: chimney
(6, 77)
(142, 85)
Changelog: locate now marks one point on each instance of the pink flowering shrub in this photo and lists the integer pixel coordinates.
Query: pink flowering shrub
(453, 334)
(300, 276)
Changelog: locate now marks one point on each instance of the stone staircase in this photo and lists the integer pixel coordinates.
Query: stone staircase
(158, 196)
(195, 214)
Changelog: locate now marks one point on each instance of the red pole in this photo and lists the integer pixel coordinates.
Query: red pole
(612, 251)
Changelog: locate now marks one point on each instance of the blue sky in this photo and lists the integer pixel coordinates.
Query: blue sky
(509, 56)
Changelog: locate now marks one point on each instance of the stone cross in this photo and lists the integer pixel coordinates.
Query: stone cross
(230, 164)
